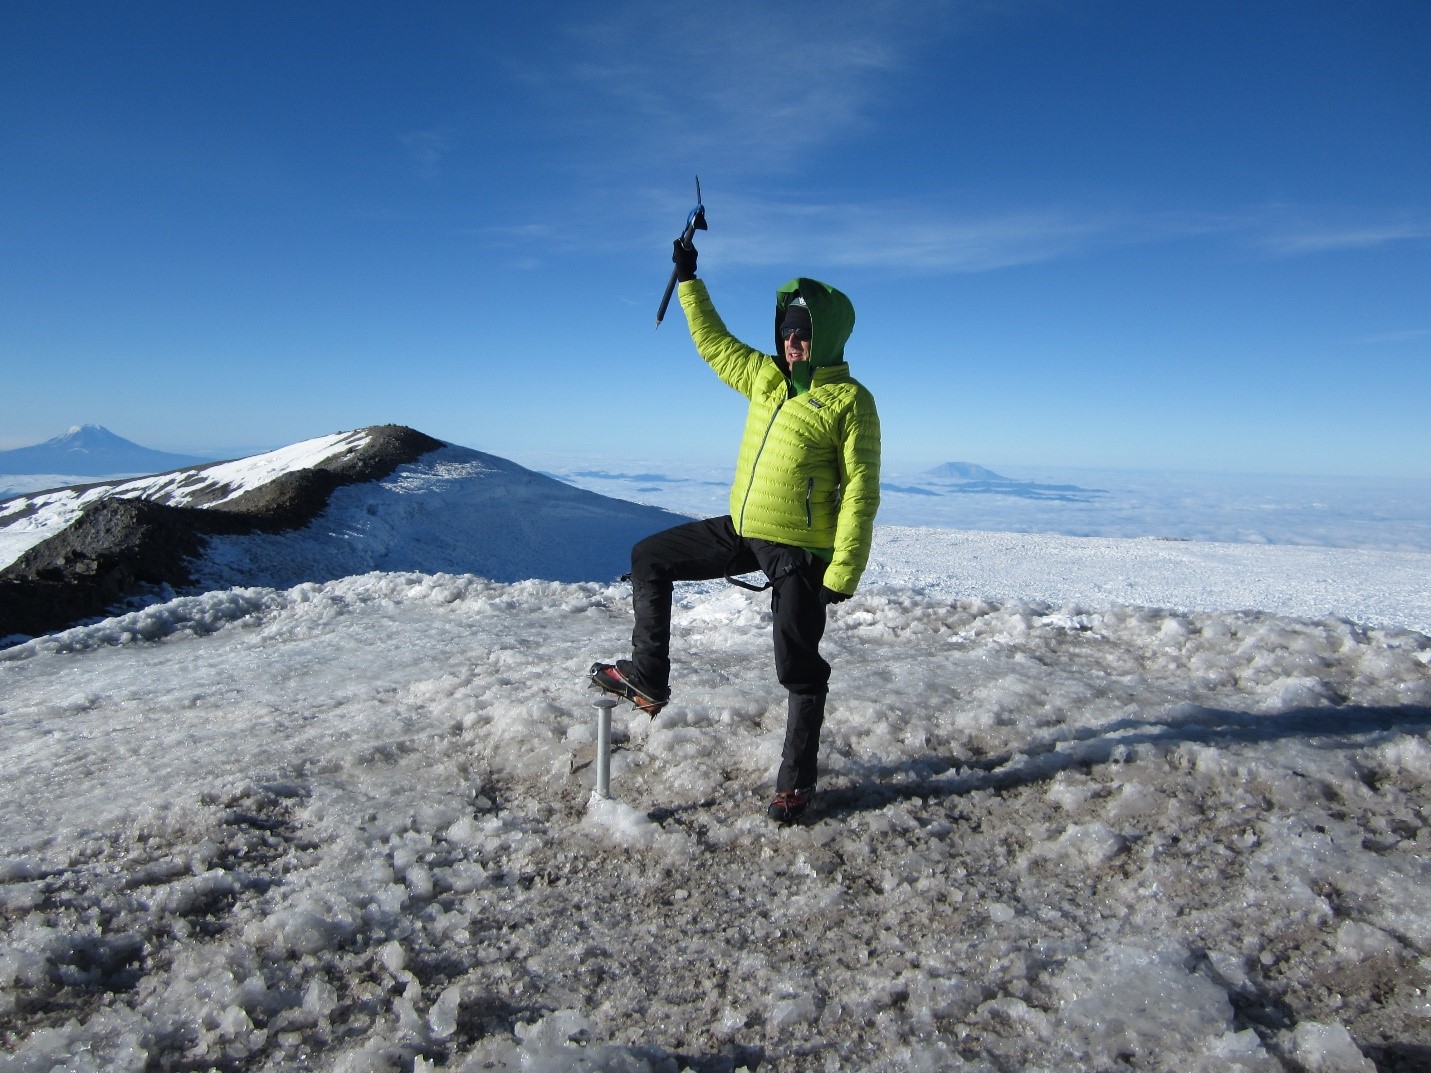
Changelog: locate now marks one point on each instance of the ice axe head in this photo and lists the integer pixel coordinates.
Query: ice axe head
(695, 222)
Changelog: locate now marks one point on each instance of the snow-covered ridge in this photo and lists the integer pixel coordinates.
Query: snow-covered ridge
(383, 498)
(455, 510)
(27, 520)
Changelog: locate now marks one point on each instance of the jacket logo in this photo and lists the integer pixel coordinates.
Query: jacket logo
(815, 403)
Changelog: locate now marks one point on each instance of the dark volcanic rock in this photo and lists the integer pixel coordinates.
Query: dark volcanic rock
(294, 499)
(120, 547)
(114, 549)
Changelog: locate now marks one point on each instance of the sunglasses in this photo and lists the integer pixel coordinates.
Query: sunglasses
(798, 333)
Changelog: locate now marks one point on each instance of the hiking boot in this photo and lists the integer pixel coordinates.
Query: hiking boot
(620, 680)
(790, 805)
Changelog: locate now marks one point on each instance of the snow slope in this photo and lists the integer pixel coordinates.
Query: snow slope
(455, 510)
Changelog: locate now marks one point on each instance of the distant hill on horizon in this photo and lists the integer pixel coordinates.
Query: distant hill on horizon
(92, 451)
(966, 478)
(964, 471)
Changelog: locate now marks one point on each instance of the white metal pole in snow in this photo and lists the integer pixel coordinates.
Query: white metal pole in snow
(603, 745)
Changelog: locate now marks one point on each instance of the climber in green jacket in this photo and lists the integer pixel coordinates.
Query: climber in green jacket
(802, 509)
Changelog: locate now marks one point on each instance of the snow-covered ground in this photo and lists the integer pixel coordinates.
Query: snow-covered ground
(349, 826)
(1366, 585)
(1086, 803)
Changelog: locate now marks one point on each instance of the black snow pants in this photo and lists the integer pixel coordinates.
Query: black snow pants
(701, 551)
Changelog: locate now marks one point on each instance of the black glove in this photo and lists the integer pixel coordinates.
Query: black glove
(684, 258)
(830, 596)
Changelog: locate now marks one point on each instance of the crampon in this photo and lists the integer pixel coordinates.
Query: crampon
(615, 679)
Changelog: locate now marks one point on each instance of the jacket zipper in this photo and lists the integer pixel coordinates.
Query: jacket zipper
(809, 491)
(754, 462)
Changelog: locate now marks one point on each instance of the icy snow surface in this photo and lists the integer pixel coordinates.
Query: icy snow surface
(1367, 585)
(350, 826)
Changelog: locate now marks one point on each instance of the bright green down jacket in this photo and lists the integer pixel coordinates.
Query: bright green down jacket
(808, 472)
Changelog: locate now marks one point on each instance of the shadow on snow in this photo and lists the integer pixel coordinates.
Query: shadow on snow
(938, 777)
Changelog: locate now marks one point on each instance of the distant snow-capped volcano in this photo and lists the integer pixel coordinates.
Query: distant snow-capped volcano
(91, 451)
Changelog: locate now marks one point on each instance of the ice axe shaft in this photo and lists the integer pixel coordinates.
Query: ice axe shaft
(696, 221)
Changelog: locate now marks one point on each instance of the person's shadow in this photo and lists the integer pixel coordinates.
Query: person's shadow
(936, 777)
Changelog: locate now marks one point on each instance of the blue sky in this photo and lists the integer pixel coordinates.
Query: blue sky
(1182, 235)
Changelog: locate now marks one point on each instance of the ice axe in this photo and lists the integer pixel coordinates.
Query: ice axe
(696, 221)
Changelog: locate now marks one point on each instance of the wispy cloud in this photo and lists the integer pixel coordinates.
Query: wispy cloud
(907, 237)
(1331, 238)
(932, 237)
(752, 86)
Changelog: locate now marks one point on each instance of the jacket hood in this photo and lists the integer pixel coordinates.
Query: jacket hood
(832, 319)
